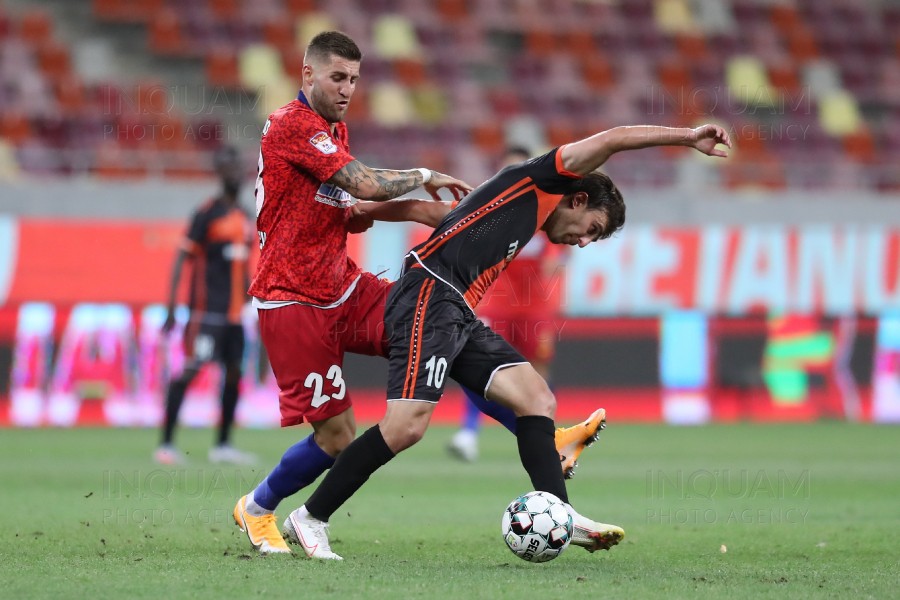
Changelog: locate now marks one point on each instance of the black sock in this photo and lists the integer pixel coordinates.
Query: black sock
(174, 397)
(537, 449)
(229, 403)
(351, 470)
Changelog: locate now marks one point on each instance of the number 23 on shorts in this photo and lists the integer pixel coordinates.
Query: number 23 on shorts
(315, 381)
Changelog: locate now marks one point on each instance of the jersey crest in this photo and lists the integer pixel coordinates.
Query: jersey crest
(323, 142)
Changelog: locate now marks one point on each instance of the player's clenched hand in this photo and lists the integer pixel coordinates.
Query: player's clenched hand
(438, 180)
(707, 136)
(359, 221)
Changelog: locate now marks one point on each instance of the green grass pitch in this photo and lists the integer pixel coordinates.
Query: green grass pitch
(802, 511)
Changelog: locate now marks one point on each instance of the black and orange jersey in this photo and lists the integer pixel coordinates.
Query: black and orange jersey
(483, 233)
(219, 239)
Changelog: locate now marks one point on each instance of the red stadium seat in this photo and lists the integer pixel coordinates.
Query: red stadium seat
(860, 146)
(452, 10)
(692, 47)
(597, 72)
(279, 34)
(300, 7)
(224, 10)
(222, 68)
(802, 44)
(783, 76)
(560, 132)
(35, 27)
(579, 42)
(144, 10)
(785, 18)
(15, 127)
(165, 34)
(54, 60)
(70, 94)
(292, 63)
(488, 137)
(540, 42)
(410, 72)
(108, 10)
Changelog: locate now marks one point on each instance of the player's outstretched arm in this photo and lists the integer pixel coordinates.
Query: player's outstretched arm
(418, 211)
(585, 156)
(364, 183)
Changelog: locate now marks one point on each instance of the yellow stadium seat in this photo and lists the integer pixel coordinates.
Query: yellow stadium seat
(310, 25)
(390, 105)
(9, 166)
(839, 114)
(747, 80)
(395, 37)
(259, 64)
(673, 16)
(430, 104)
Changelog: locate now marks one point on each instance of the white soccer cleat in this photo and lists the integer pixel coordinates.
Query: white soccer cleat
(167, 454)
(464, 445)
(302, 529)
(592, 535)
(226, 453)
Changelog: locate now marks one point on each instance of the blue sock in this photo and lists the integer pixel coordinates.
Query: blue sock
(501, 414)
(471, 417)
(300, 466)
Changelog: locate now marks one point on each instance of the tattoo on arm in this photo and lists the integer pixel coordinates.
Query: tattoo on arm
(364, 183)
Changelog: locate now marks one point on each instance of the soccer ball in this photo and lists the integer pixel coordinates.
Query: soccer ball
(537, 527)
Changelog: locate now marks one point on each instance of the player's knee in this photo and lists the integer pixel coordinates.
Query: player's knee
(333, 441)
(399, 438)
(544, 404)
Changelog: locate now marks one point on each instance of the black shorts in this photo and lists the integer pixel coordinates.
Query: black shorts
(207, 342)
(433, 334)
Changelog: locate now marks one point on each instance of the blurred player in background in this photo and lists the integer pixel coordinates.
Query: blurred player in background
(218, 245)
(523, 309)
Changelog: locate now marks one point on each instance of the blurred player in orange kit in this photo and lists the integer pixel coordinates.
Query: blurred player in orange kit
(522, 307)
(218, 245)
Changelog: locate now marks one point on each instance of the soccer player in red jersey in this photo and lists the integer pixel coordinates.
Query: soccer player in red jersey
(218, 244)
(314, 302)
(433, 331)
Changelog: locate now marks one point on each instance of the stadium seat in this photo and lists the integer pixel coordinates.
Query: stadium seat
(430, 104)
(452, 10)
(597, 72)
(35, 27)
(802, 44)
(9, 166)
(310, 25)
(410, 72)
(279, 33)
(224, 10)
(889, 82)
(691, 46)
(54, 60)
(747, 79)
(821, 78)
(540, 42)
(164, 37)
(300, 7)
(713, 16)
(222, 68)
(785, 18)
(259, 65)
(783, 77)
(70, 94)
(673, 16)
(488, 137)
(143, 10)
(14, 127)
(390, 105)
(860, 146)
(109, 10)
(839, 114)
(292, 63)
(394, 37)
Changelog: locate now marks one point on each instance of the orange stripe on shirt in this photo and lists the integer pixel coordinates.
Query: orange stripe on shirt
(476, 291)
(559, 165)
(473, 219)
(438, 240)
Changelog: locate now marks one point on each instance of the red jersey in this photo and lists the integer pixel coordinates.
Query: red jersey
(301, 220)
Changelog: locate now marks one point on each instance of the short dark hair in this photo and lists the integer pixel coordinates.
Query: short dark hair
(336, 43)
(602, 195)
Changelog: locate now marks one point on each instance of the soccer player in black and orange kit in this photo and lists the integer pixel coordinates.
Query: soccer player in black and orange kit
(218, 244)
(433, 332)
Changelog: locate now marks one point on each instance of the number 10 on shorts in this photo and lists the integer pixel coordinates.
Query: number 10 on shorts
(315, 381)
(437, 368)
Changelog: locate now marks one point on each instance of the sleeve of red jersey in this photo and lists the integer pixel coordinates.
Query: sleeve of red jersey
(304, 143)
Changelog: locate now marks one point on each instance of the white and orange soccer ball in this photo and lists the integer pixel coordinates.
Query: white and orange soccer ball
(537, 527)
